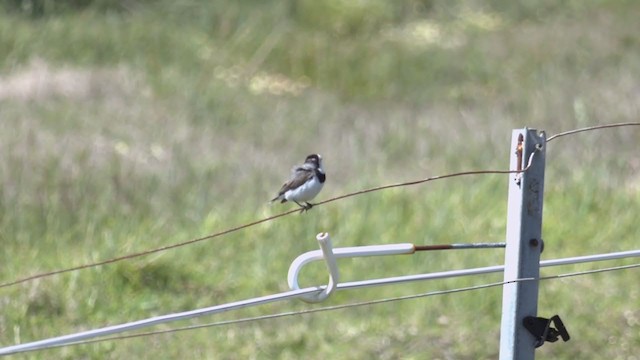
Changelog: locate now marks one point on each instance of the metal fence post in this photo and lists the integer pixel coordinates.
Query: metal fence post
(524, 243)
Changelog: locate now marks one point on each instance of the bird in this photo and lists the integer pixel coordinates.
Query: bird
(305, 183)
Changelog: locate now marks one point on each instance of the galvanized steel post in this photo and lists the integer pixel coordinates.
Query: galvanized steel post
(524, 243)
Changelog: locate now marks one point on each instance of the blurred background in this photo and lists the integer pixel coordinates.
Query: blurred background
(131, 124)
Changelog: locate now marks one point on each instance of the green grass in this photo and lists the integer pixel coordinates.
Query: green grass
(131, 125)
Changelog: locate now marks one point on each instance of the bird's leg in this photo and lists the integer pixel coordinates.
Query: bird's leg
(302, 207)
(306, 207)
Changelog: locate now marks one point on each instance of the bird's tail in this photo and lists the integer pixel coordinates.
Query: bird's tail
(279, 197)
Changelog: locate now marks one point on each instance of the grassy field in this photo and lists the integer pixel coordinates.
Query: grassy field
(128, 125)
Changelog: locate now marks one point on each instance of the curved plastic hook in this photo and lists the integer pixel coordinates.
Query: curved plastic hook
(327, 253)
(330, 255)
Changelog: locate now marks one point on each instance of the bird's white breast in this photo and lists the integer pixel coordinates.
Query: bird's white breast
(305, 192)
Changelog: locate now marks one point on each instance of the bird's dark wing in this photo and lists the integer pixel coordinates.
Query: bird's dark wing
(300, 176)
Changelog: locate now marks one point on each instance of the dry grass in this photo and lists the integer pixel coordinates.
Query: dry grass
(104, 156)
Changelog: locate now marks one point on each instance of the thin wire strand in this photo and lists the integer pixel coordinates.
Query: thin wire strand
(345, 306)
(237, 228)
(146, 252)
(270, 218)
(590, 128)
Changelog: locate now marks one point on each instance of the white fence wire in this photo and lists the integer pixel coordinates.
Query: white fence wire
(297, 293)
